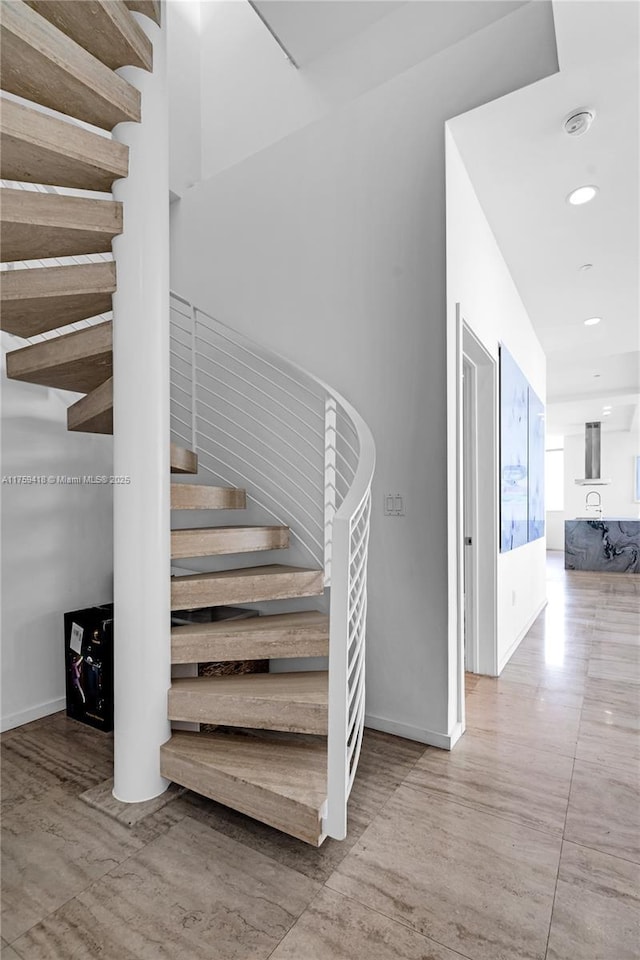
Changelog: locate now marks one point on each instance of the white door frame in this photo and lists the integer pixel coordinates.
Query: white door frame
(469, 515)
(483, 516)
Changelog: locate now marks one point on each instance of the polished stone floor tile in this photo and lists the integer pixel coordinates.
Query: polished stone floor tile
(596, 915)
(52, 848)
(475, 883)
(528, 787)
(567, 655)
(384, 763)
(625, 623)
(54, 752)
(609, 737)
(192, 894)
(603, 811)
(548, 676)
(471, 681)
(8, 953)
(615, 661)
(529, 691)
(613, 695)
(610, 649)
(557, 659)
(130, 814)
(336, 928)
(538, 724)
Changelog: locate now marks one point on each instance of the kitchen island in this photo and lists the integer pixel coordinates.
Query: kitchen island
(602, 544)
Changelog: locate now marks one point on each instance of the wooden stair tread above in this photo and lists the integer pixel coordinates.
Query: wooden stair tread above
(106, 29)
(34, 301)
(38, 148)
(93, 413)
(244, 585)
(282, 782)
(182, 460)
(211, 541)
(150, 8)
(293, 702)
(304, 634)
(42, 64)
(192, 496)
(78, 361)
(36, 225)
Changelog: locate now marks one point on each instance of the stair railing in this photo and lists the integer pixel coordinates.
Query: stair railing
(307, 457)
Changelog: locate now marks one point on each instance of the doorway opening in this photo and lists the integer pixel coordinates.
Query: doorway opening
(478, 507)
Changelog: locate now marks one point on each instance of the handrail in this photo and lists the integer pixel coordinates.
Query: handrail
(278, 405)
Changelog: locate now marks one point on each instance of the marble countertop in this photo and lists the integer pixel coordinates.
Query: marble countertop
(606, 519)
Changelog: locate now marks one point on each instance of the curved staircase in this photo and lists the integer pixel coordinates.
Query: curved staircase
(280, 753)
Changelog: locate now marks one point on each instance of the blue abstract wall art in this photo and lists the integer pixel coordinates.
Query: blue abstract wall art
(536, 466)
(522, 450)
(514, 443)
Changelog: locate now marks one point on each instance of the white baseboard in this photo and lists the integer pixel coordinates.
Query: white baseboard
(442, 740)
(525, 630)
(32, 713)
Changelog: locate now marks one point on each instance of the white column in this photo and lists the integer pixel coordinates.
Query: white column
(141, 440)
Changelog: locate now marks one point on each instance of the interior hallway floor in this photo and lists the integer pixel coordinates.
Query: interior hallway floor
(524, 842)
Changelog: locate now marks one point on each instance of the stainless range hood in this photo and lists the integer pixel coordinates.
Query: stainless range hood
(592, 456)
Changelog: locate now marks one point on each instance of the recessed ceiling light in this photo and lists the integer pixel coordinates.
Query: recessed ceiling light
(591, 321)
(606, 413)
(586, 266)
(582, 195)
(596, 375)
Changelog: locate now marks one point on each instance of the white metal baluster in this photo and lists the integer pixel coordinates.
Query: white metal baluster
(337, 759)
(329, 482)
(194, 392)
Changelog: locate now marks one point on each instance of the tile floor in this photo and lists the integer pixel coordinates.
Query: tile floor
(524, 842)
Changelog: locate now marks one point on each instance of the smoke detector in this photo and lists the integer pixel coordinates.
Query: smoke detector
(578, 122)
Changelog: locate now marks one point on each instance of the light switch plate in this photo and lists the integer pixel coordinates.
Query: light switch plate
(393, 505)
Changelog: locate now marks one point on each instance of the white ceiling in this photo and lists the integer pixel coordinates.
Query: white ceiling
(310, 28)
(523, 166)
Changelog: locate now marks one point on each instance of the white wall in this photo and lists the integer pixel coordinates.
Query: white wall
(479, 280)
(253, 96)
(183, 73)
(330, 246)
(554, 520)
(618, 450)
(56, 544)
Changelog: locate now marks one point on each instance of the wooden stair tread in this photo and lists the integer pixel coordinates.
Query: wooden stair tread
(38, 148)
(303, 634)
(192, 496)
(211, 541)
(308, 686)
(93, 413)
(183, 460)
(106, 29)
(78, 361)
(244, 585)
(150, 8)
(40, 63)
(41, 299)
(36, 225)
(282, 782)
(294, 702)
